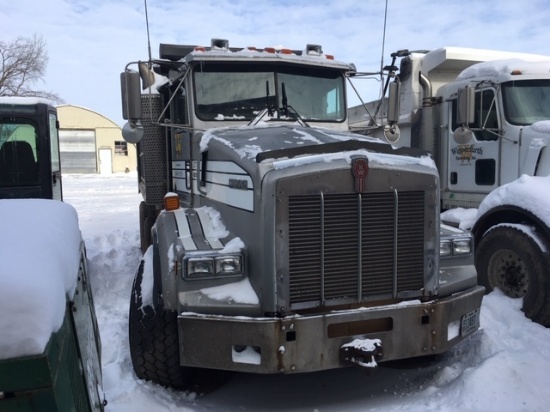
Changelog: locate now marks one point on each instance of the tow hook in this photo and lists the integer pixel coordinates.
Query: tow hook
(362, 352)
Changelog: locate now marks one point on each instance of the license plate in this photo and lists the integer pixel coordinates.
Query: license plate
(470, 322)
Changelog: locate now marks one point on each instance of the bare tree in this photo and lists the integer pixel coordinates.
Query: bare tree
(23, 63)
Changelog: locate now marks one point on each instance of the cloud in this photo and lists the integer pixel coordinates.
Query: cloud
(90, 42)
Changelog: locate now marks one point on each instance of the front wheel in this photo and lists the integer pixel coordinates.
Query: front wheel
(154, 345)
(511, 260)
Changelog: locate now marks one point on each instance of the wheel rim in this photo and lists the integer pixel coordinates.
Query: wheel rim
(508, 272)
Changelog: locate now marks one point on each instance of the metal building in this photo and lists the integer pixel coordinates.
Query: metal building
(91, 143)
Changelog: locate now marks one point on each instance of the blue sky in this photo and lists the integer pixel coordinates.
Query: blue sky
(89, 42)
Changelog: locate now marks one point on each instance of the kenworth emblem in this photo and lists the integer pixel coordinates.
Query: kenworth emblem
(360, 170)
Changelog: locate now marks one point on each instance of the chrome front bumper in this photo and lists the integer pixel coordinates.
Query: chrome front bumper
(313, 343)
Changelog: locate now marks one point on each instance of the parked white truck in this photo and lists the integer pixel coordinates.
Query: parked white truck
(485, 117)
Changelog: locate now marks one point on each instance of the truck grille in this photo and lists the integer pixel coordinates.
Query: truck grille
(353, 247)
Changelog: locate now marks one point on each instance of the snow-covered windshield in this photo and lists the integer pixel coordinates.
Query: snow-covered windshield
(232, 91)
(526, 101)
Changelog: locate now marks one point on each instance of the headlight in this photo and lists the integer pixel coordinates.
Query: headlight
(462, 247)
(200, 267)
(445, 248)
(228, 265)
(203, 267)
(455, 247)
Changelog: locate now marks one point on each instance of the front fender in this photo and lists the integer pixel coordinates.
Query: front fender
(165, 234)
(508, 214)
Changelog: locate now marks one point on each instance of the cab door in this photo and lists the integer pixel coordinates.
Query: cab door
(474, 165)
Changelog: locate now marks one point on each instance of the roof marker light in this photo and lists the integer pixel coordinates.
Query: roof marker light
(200, 49)
(516, 72)
(269, 50)
(314, 49)
(285, 51)
(222, 44)
(329, 56)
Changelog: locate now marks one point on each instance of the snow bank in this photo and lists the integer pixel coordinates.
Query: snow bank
(40, 254)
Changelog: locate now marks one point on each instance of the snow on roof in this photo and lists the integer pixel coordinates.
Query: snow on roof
(506, 67)
(312, 58)
(458, 58)
(40, 255)
(23, 100)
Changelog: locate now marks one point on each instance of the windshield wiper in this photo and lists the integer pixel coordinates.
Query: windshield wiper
(287, 109)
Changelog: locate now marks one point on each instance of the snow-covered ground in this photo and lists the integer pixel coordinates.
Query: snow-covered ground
(503, 367)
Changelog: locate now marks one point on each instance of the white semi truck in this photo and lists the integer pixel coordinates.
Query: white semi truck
(275, 240)
(485, 116)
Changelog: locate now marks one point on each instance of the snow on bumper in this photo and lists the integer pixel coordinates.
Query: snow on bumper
(312, 343)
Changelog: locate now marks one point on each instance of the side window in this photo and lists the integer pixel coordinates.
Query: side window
(485, 125)
(19, 155)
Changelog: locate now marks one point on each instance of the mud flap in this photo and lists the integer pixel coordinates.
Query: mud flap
(362, 352)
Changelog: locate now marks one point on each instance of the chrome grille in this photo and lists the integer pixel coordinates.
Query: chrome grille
(350, 247)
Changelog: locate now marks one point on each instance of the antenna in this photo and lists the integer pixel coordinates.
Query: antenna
(383, 46)
(148, 38)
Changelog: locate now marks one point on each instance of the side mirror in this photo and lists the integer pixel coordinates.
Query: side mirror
(132, 131)
(131, 95)
(466, 106)
(393, 102)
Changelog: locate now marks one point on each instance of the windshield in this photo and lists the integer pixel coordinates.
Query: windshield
(240, 92)
(18, 155)
(526, 101)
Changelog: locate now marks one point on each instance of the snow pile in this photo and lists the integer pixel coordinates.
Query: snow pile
(462, 217)
(40, 255)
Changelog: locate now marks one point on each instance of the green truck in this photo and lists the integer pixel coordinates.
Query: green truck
(47, 363)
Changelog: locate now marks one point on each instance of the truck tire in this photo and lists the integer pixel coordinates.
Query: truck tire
(514, 262)
(154, 348)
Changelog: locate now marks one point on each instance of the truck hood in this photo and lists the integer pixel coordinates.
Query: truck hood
(293, 143)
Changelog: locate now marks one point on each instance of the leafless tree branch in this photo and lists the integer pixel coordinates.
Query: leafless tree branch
(23, 63)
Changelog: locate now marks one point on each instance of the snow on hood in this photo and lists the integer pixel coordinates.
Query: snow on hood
(40, 255)
(248, 142)
(542, 127)
(527, 192)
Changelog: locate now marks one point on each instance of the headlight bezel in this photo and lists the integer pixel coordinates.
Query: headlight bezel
(204, 266)
(455, 247)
